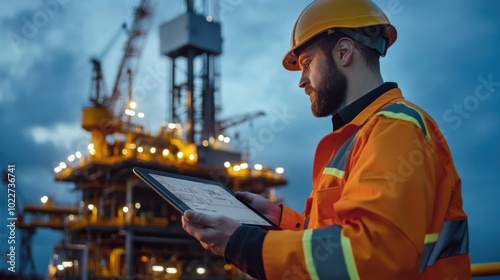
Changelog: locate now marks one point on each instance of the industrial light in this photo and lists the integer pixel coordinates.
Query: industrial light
(180, 154)
(132, 105)
(171, 270)
(157, 268)
(140, 115)
(137, 205)
(130, 112)
(131, 146)
(257, 166)
(279, 170)
(221, 137)
(62, 165)
(165, 152)
(60, 267)
(90, 146)
(78, 154)
(209, 18)
(140, 149)
(227, 164)
(71, 158)
(71, 217)
(124, 151)
(191, 157)
(90, 207)
(227, 139)
(236, 168)
(57, 169)
(92, 152)
(67, 264)
(204, 143)
(152, 150)
(244, 165)
(125, 209)
(44, 199)
(201, 270)
(172, 125)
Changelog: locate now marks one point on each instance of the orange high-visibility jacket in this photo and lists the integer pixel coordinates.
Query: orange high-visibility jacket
(386, 204)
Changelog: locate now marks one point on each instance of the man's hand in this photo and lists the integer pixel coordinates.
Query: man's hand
(213, 231)
(263, 205)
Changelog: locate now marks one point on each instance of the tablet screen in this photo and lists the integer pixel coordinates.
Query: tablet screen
(210, 199)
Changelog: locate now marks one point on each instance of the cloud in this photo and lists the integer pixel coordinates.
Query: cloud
(59, 135)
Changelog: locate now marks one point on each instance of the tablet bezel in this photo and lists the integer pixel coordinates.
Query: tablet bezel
(144, 174)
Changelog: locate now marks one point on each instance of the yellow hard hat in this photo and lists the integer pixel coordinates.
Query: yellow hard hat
(326, 16)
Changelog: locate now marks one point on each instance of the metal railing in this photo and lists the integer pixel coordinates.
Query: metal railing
(485, 269)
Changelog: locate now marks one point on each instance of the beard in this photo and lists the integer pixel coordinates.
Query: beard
(330, 94)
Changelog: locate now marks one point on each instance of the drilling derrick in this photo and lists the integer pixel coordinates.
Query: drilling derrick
(121, 228)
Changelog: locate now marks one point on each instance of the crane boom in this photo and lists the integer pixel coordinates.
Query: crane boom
(133, 49)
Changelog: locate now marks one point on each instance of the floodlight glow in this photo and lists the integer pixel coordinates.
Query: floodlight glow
(157, 268)
(257, 166)
(171, 270)
(201, 270)
(279, 170)
(132, 105)
(171, 125)
(44, 199)
(130, 112)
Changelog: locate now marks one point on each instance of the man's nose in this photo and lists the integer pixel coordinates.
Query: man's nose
(304, 80)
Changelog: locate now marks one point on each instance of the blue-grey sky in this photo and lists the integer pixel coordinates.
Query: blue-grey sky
(446, 60)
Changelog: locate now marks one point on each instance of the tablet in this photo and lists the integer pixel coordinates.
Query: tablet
(204, 196)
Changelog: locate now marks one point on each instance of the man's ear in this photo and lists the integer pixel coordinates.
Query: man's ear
(344, 51)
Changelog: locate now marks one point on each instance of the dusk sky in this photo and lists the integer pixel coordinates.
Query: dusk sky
(445, 60)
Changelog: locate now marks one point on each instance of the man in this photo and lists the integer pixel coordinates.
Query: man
(386, 200)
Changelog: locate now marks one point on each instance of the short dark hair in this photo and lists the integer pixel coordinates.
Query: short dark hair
(370, 56)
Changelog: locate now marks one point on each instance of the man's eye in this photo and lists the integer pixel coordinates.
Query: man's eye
(307, 64)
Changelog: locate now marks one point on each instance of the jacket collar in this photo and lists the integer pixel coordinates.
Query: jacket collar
(360, 110)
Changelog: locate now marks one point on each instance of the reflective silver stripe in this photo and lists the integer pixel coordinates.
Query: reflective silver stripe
(453, 240)
(339, 161)
(306, 223)
(326, 254)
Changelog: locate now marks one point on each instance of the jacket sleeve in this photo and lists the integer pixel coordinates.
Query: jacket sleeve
(291, 219)
(383, 213)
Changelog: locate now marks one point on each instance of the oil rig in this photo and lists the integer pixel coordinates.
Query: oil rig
(121, 229)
